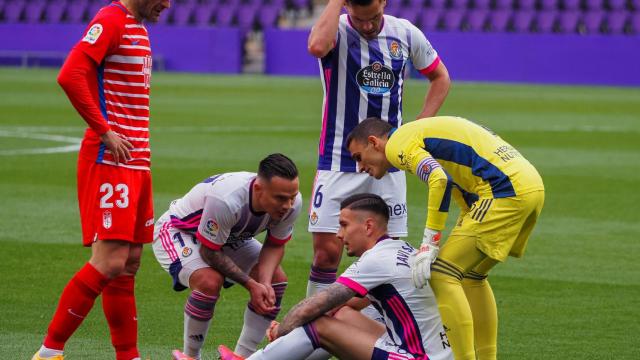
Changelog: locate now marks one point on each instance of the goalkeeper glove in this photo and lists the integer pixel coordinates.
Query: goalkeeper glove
(421, 270)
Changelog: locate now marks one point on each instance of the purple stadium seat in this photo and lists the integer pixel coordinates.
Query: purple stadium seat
(393, 8)
(95, 6)
(634, 23)
(522, 21)
(499, 20)
(635, 4)
(568, 21)
(54, 11)
(458, 4)
(13, 10)
(437, 4)
(504, 4)
(300, 4)
(226, 14)
(2, 3)
(415, 4)
(526, 4)
(429, 19)
(268, 16)
(477, 19)
(548, 4)
(482, 4)
(76, 11)
(616, 21)
(571, 5)
(34, 11)
(592, 21)
(617, 4)
(182, 13)
(545, 20)
(452, 19)
(204, 13)
(595, 4)
(247, 16)
(409, 14)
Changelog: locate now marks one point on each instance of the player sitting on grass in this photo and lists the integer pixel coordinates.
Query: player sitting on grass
(412, 328)
(209, 234)
(500, 194)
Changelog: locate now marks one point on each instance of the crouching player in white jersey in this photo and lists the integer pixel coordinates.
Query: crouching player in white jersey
(209, 235)
(412, 327)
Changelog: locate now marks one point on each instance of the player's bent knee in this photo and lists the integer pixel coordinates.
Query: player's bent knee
(327, 258)
(279, 276)
(344, 313)
(207, 281)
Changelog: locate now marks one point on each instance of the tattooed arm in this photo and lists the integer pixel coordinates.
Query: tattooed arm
(223, 264)
(313, 307)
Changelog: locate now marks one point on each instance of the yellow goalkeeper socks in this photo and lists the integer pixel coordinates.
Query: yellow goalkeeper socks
(485, 315)
(454, 308)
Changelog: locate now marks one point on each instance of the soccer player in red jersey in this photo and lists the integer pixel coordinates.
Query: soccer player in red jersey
(106, 77)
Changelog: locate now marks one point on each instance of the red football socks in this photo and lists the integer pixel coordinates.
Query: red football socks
(119, 305)
(75, 303)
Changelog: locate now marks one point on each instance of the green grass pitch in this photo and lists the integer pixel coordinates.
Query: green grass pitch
(575, 294)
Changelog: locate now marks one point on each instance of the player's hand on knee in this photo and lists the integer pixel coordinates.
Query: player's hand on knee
(272, 331)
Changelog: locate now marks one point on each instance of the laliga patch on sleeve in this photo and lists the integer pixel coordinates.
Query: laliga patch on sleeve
(93, 34)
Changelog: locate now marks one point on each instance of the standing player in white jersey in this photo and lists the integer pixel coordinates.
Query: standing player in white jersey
(363, 56)
(412, 327)
(107, 79)
(209, 234)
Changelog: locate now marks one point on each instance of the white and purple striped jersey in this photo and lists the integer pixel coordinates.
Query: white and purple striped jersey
(383, 275)
(364, 78)
(218, 211)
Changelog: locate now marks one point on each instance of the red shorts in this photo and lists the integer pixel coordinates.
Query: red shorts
(115, 203)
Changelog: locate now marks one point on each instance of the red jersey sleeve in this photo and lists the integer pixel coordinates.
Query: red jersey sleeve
(77, 77)
(103, 34)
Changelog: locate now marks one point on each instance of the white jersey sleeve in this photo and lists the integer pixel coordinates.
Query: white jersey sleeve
(216, 223)
(423, 56)
(366, 273)
(280, 233)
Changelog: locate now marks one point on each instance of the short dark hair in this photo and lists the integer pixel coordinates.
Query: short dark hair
(367, 202)
(277, 165)
(369, 126)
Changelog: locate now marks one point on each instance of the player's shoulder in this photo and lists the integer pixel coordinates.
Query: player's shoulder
(396, 22)
(113, 13)
(232, 188)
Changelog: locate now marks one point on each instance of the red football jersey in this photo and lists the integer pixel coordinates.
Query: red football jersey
(120, 45)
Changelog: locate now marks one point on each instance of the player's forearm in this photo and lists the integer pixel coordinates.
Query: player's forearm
(270, 257)
(438, 200)
(74, 79)
(437, 93)
(313, 307)
(223, 264)
(323, 33)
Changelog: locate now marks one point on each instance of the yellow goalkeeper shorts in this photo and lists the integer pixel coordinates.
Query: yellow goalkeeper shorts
(501, 226)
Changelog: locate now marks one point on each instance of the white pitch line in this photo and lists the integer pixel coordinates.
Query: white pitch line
(74, 141)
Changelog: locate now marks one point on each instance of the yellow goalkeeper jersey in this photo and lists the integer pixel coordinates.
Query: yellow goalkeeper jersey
(461, 159)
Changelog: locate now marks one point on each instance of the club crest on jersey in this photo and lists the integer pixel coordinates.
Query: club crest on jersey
(106, 219)
(93, 34)
(395, 50)
(376, 78)
(186, 251)
(313, 218)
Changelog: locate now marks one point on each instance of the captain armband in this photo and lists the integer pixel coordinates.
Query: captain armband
(425, 167)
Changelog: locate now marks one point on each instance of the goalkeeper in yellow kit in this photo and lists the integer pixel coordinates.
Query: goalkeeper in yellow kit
(500, 195)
